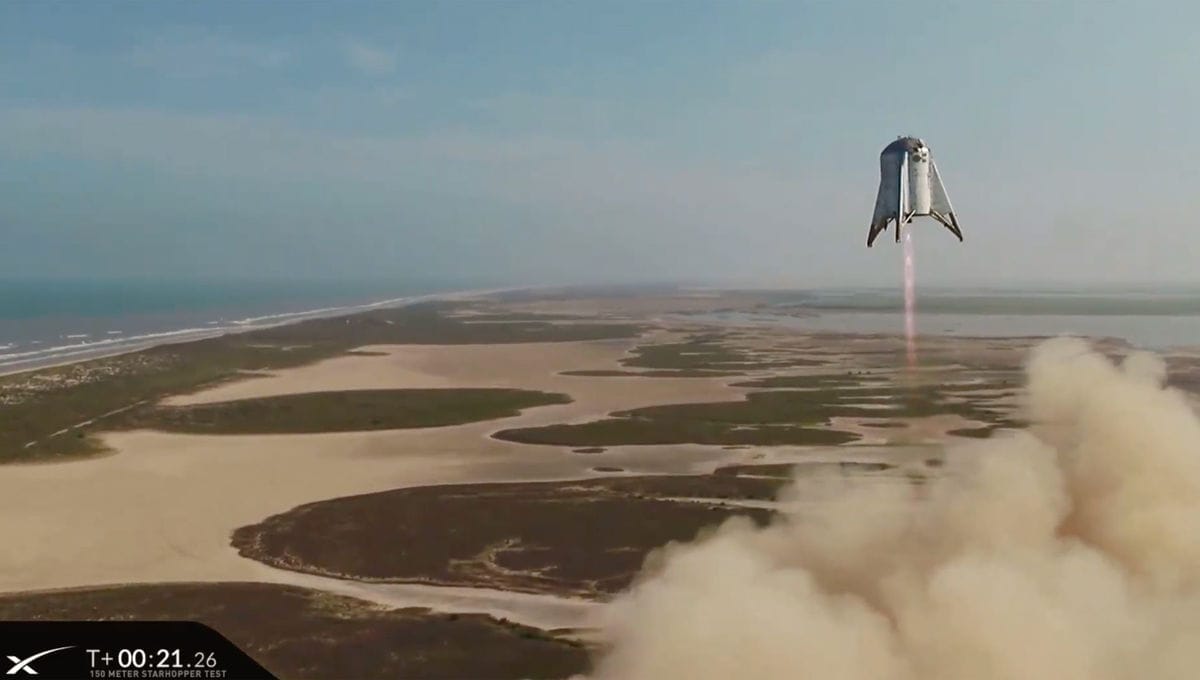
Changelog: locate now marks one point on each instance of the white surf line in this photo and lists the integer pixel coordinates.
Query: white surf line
(95, 351)
(113, 412)
(859, 478)
(546, 612)
(728, 502)
(85, 423)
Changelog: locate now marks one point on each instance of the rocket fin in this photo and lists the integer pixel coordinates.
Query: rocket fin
(891, 201)
(884, 210)
(876, 227)
(939, 200)
(940, 206)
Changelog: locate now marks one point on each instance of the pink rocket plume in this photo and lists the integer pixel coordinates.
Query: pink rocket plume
(910, 301)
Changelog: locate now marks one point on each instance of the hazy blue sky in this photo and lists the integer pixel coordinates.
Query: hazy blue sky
(571, 141)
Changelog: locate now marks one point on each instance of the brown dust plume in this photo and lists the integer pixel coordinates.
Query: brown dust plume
(1069, 551)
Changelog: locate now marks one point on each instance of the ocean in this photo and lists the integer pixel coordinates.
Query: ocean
(45, 322)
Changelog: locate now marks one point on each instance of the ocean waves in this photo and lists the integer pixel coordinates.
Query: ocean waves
(48, 349)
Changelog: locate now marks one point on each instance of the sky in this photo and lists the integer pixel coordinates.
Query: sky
(581, 142)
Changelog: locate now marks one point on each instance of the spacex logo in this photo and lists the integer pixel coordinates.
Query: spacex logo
(24, 665)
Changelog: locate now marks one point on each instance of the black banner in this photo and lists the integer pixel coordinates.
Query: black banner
(143, 650)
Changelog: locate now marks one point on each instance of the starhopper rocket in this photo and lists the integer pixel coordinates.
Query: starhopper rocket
(909, 186)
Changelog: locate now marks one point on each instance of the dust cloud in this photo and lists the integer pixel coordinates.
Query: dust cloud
(1068, 551)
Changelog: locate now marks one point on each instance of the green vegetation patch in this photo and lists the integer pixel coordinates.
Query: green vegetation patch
(788, 471)
(766, 418)
(854, 395)
(699, 352)
(710, 352)
(518, 317)
(434, 323)
(684, 373)
(632, 431)
(763, 419)
(301, 633)
(50, 414)
(975, 432)
(583, 538)
(342, 411)
(818, 381)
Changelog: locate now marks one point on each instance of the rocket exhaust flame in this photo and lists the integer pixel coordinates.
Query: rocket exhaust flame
(910, 301)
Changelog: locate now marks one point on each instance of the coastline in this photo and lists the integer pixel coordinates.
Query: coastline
(90, 351)
(53, 412)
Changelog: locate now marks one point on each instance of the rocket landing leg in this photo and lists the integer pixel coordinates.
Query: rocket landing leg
(951, 224)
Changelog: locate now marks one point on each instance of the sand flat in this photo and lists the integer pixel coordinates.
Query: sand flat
(398, 367)
(526, 365)
(163, 506)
